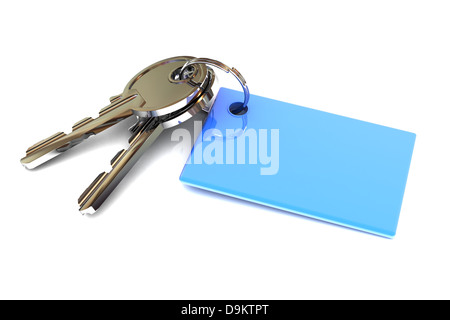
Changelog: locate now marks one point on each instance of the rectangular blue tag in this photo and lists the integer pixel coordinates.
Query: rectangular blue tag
(304, 161)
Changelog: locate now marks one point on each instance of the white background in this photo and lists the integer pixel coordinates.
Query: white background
(386, 62)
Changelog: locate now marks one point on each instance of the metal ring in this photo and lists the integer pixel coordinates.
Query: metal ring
(225, 68)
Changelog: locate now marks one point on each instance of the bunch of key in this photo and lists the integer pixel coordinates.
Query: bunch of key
(161, 96)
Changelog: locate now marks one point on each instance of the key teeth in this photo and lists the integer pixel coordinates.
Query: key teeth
(85, 195)
(121, 108)
(117, 102)
(117, 157)
(115, 98)
(81, 123)
(43, 143)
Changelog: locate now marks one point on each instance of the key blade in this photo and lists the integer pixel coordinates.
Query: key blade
(119, 109)
(99, 190)
(39, 145)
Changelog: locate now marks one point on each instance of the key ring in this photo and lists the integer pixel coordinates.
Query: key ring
(236, 109)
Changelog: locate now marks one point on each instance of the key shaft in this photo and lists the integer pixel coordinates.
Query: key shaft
(105, 183)
(157, 97)
(144, 134)
(119, 109)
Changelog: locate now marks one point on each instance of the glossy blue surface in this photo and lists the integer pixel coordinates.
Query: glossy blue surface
(331, 168)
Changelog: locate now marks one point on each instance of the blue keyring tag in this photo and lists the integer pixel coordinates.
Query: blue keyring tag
(321, 165)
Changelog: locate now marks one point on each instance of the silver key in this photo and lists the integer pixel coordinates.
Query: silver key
(153, 92)
(145, 133)
(160, 96)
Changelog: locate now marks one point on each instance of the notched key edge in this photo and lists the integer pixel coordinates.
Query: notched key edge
(115, 98)
(36, 154)
(116, 103)
(85, 195)
(117, 157)
(99, 190)
(43, 143)
(81, 123)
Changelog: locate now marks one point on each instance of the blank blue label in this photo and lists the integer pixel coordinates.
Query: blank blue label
(305, 161)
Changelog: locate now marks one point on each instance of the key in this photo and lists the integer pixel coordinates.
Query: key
(160, 96)
(156, 91)
(146, 131)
